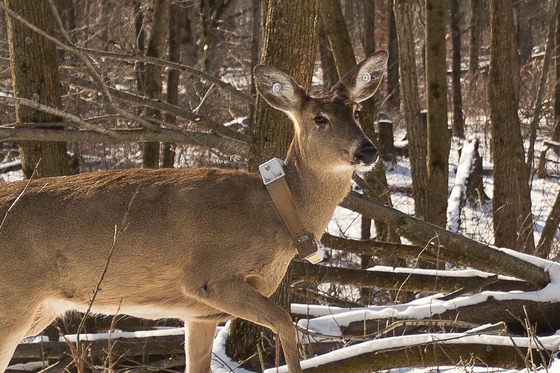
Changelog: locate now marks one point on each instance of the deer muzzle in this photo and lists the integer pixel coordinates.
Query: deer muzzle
(365, 155)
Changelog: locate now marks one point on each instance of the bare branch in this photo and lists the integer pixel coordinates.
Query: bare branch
(175, 66)
(60, 113)
(225, 144)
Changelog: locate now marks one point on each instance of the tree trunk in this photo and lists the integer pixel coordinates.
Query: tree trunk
(474, 38)
(550, 227)
(411, 106)
(556, 129)
(34, 67)
(524, 31)
(176, 12)
(289, 44)
(455, 23)
(152, 76)
(511, 207)
(436, 93)
(328, 67)
(139, 43)
(393, 94)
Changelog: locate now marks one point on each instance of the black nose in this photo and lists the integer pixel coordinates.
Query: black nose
(366, 154)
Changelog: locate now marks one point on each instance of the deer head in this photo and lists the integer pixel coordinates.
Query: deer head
(326, 127)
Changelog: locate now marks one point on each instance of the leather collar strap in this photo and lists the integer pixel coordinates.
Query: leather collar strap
(273, 174)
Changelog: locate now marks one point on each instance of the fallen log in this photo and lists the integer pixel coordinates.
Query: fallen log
(126, 347)
(473, 254)
(304, 272)
(434, 355)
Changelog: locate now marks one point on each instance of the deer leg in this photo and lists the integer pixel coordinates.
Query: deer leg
(199, 336)
(14, 323)
(239, 299)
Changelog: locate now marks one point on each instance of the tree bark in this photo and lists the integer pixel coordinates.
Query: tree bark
(411, 107)
(436, 94)
(34, 67)
(152, 76)
(511, 207)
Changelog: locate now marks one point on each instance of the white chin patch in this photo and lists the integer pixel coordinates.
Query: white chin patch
(340, 169)
(363, 168)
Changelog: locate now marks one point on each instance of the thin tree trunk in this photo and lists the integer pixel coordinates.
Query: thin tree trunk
(455, 23)
(556, 130)
(411, 106)
(538, 103)
(34, 67)
(436, 93)
(511, 206)
(474, 38)
(550, 227)
(152, 77)
(175, 14)
(393, 93)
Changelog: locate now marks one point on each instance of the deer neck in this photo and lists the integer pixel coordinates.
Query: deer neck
(316, 191)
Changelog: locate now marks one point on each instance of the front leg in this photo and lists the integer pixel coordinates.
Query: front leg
(238, 299)
(199, 336)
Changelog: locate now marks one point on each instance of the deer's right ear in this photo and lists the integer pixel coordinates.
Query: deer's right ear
(277, 88)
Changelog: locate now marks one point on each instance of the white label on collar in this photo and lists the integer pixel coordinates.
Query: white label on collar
(272, 170)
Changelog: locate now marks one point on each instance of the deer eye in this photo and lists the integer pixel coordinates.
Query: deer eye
(357, 114)
(321, 121)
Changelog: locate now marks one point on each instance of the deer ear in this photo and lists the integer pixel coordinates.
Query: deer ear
(277, 88)
(363, 80)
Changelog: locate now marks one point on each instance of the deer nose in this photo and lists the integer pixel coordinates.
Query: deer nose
(366, 154)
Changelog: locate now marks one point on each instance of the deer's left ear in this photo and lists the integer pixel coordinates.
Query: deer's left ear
(363, 80)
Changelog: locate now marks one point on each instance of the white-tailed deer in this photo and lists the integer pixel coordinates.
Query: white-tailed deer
(201, 245)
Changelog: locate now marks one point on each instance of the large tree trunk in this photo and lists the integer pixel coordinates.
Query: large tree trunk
(152, 76)
(436, 93)
(34, 66)
(290, 43)
(511, 207)
(411, 106)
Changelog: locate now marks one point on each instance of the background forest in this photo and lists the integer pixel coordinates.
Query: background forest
(467, 122)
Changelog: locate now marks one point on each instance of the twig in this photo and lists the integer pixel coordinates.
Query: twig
(21, 194)
(174, 66)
